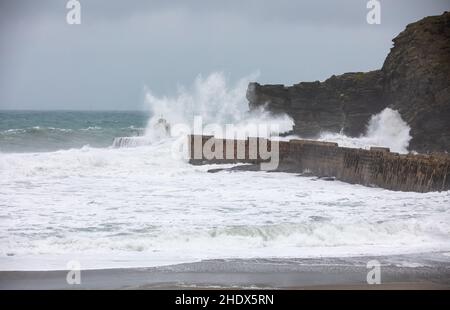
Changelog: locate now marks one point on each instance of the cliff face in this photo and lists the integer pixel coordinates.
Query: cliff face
(343, 102)
(415, 80)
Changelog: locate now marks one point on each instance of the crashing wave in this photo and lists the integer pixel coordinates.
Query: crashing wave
(123, 142)
(385, 129)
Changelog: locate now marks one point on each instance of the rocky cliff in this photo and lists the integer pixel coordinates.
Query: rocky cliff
(414, 80)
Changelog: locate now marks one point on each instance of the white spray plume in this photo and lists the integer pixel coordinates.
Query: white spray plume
(215, 101)
(386, 129)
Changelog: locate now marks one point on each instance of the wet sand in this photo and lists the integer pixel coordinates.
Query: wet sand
(427, 271)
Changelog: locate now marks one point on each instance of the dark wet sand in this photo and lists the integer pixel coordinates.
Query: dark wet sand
(327, 273)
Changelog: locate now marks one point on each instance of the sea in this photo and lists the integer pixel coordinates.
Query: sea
(72, 190)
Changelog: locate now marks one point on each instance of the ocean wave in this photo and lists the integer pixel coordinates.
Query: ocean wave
(331, 233)
(91, 128)
(299, 240)
(34, 129)
(141, 202)
(37, 138)
(121, 142)
(386, 129)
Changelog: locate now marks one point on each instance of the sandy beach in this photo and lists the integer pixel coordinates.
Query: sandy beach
(427, 271)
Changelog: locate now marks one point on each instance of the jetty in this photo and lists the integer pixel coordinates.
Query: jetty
(375, 167)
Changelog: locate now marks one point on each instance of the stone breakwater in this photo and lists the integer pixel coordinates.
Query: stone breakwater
(375, 167)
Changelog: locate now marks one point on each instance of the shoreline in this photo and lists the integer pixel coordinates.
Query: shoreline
(397, 272)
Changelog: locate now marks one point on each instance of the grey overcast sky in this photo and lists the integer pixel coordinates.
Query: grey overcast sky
(122, 46)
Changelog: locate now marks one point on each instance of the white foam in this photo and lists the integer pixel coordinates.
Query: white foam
(123, 207)
(120, 142)
(217, 102)
(140, 207)
(386, 129)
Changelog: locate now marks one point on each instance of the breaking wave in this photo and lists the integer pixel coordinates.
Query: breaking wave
(386, 129)
(217, 102)
(144, 206)
(38, 131)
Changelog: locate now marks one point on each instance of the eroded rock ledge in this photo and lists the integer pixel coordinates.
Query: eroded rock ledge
(414, 80)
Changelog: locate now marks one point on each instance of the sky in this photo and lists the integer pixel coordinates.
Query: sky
(121, 47)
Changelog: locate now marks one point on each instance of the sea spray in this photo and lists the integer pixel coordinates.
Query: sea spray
(386, 129)
(389, 129)
(216, 102)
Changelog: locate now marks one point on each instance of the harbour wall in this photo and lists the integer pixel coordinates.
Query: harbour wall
(376, 167)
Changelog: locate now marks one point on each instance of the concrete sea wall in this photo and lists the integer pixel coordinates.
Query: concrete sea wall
(375, 167)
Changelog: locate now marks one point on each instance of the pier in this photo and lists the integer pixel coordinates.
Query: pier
(376, 167)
